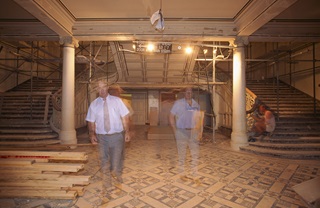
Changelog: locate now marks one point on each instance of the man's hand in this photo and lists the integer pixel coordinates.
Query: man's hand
(93, 139)
(92, 134)
(127, 136)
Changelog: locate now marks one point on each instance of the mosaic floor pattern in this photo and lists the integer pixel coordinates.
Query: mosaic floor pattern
(150, 179)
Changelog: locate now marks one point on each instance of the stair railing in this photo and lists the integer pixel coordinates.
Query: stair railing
(252, 103)
(55, 121)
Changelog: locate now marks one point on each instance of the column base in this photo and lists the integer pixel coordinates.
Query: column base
(68, 137)
(238, 140)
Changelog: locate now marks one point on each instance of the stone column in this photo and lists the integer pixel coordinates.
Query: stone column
(67, 134)
(239, 126)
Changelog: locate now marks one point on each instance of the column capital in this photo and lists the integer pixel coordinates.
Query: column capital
(69, 41)
(239, 41)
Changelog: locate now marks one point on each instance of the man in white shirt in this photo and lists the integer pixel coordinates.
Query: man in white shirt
(108, 123)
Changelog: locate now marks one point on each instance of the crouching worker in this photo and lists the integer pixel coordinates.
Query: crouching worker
(265, 122)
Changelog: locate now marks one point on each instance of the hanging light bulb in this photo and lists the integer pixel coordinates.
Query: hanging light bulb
(188, 50)
(150, 47)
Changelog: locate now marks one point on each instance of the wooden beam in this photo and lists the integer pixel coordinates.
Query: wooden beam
(258, 13)
(13, 162)
(31, 176)
(79, 156)
(22, 175)
(48, 194)
(64, 167)
(51, 13)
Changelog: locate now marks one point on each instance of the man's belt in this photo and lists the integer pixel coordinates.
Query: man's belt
(111, 134)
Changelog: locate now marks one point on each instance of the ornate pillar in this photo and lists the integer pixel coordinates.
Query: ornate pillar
(239, 124)
(67, 134)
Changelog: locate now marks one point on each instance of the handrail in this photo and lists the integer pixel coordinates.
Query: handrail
(252, 102)
(56, 100)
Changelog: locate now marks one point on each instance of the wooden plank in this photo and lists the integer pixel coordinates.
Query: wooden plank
(80, 190)
(48, 194)
(16, 171)
(63, 167)
(31, 176)
(41, 174)
(36, 148)
(26, 188)
(75, 178)
(15, 162)
(46, 154)
(32, 183)
(52, 167)
(24, 159)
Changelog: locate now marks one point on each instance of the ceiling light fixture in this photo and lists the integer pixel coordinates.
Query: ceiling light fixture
(188, 50)
(150, 47)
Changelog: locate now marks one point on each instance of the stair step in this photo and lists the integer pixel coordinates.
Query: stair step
(288, 105)
(311, 124)
(30, 143)
(296, 128)
(287, 146)
(25, 116)
(281, 95)
(293, 111)
(289, 98)
(298, 116)
(28, 136)
(25, 111)
(25, 108)
(25, 131)
(21, 122)
(290, 154)
(297, 140)
(24, 126)
(297, 134)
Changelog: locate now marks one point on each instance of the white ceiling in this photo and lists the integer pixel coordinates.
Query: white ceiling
(198, 23)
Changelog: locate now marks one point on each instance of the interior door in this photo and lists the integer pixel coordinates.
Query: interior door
(139, 106)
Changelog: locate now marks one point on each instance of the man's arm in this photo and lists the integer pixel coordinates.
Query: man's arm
(268, 116)
(172, 121)
(92, 132)
(126, 126)
(256, 118)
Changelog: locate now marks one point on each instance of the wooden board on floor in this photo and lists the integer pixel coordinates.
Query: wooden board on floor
(309, 190)
(42, 174)
(160, 132)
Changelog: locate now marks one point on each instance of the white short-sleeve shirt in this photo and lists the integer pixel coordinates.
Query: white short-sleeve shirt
(117, 110)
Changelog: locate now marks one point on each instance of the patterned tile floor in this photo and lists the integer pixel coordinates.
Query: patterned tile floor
(150, 179)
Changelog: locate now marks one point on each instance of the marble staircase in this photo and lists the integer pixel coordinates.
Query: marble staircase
(297, 134)
(25, 114)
